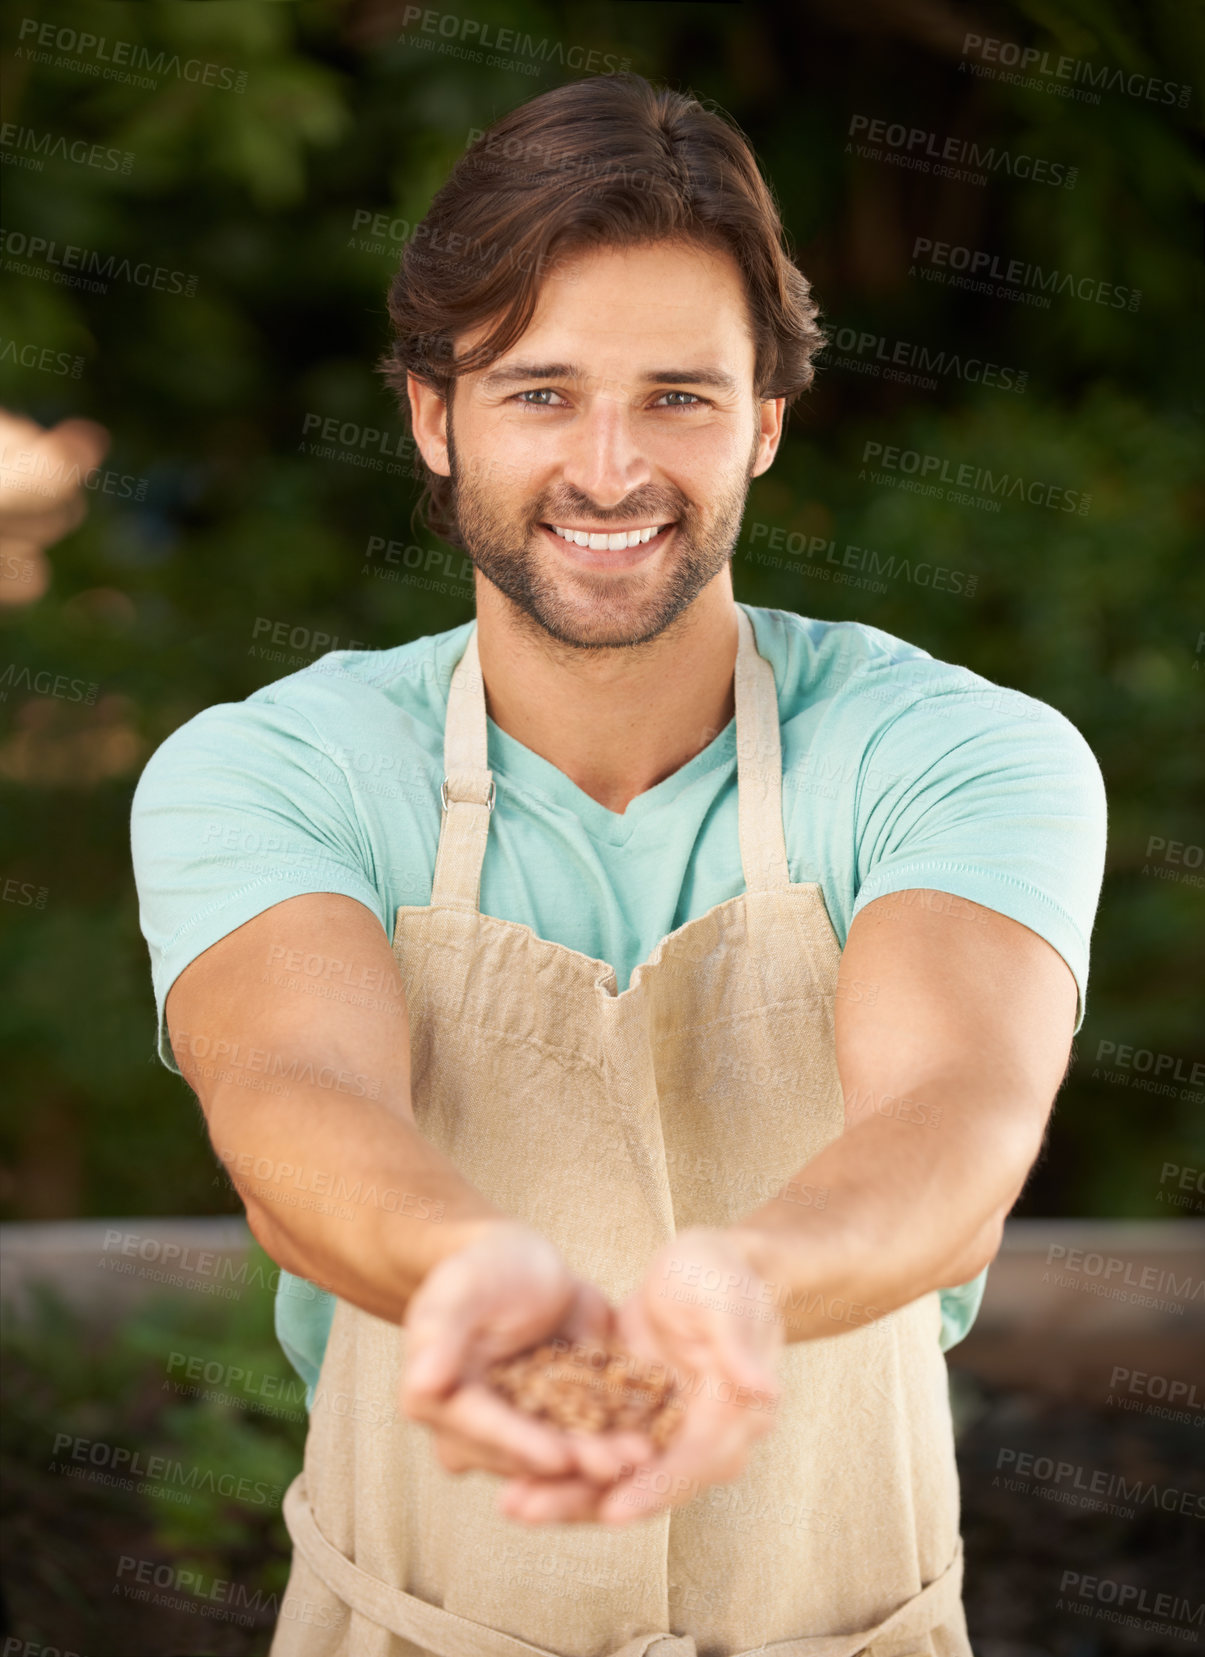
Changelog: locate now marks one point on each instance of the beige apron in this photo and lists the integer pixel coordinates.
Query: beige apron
(610, 1121)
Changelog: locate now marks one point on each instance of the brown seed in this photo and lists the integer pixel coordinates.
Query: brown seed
(590, 1390)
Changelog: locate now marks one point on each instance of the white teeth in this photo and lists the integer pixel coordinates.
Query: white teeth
(605, 542)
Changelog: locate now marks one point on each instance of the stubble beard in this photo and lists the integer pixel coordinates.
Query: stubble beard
(604, 611)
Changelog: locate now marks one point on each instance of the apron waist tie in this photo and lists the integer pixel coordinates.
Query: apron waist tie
(903, 1634)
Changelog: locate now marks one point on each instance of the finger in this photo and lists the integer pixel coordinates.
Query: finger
(59, 464)
(86, 436)
(605, 1457)
(711, 1447)
(24, 571)
(76, 445)
(458, 1454)
(25, 512)
(438, 1332)
(433, 1366)
(536, 1502)
(482, 1414)
(592, 1319)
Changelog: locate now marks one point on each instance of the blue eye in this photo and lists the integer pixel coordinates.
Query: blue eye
(527, 399)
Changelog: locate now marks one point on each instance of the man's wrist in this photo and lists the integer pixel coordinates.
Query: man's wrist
(444, 1237)
(813, 1272)
(761, 1250)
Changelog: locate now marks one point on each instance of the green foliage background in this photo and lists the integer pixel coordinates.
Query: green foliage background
(257, 193)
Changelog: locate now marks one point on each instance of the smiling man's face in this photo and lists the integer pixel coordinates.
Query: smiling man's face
(627, 408)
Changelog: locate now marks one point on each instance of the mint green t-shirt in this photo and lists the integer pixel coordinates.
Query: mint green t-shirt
(899, 771)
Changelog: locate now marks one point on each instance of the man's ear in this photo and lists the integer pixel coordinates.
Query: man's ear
(429, 416)
(770, 434)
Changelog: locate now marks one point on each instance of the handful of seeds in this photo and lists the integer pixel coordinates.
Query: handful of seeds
(590, 1390)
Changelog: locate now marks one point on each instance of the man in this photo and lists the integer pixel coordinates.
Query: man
(627, 964)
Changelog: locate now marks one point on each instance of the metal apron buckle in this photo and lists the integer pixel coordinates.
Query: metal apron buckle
(488, 801)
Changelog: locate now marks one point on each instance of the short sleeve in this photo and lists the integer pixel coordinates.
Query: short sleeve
(238, 809)
(998, 800)
(959, 1309)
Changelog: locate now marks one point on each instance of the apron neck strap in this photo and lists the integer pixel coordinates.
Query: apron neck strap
(468, 790)
(758, 767)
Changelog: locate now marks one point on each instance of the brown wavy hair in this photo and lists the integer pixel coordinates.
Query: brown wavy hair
(606, 161)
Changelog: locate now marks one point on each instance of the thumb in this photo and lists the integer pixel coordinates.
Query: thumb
(592, 1318)
(635, 1332)
(433, 1367)
(437, 1333)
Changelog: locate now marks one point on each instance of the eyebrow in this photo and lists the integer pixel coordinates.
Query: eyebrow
(522, 372)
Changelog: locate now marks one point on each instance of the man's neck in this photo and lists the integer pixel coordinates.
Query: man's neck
(615, 722)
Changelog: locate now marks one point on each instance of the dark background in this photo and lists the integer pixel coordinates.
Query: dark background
(266, 196)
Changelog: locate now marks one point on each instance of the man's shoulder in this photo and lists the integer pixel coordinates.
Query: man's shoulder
(343, 701)
(414, 677)
(868, 674)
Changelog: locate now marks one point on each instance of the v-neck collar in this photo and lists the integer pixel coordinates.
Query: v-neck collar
(513, 762)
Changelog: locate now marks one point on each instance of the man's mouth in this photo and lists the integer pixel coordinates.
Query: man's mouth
(607, 540)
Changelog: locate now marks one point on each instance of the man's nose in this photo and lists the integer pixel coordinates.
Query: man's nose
(603, 456)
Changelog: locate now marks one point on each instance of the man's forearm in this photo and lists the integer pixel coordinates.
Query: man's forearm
(888, 1211)
(345, 1191)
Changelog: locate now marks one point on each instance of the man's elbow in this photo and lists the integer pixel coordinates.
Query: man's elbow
(265, 1232)
(1016, 1155)
(977, 1253)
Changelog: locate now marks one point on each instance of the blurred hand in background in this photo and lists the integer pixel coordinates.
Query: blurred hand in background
(42, 472)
